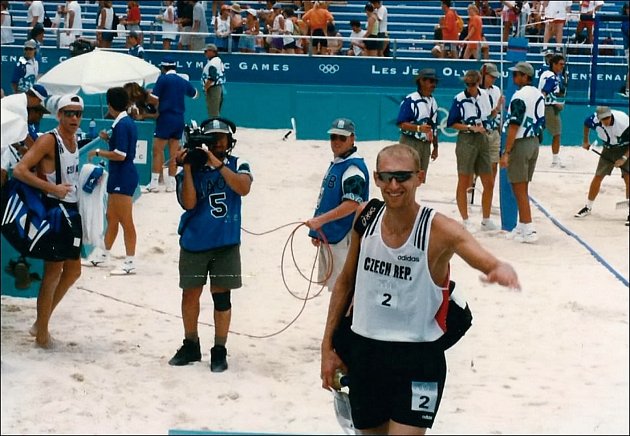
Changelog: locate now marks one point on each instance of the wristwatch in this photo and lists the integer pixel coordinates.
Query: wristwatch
(97, 151)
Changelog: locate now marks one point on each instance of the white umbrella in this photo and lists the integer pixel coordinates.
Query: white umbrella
(14, 126)
(97, 71)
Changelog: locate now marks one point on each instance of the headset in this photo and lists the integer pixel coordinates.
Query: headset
(199, 139)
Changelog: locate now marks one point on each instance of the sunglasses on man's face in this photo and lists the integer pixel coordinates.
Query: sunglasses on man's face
(70, 113)
(430, 80)
(341, 138)
(399, 176)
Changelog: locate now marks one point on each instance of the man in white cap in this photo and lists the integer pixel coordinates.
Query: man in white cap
(168, 95)
(344, 188)
(26, 69)
(611, 127)
(59, 184)
(212, 79)
(526, 120)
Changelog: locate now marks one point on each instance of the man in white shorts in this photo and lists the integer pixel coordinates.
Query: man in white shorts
(555, 15)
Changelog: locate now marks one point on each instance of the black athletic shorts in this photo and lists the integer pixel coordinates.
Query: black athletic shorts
(400, 381)
(322, 41)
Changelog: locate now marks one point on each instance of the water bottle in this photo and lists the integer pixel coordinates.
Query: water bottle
(80, 134)
(92, 130)
(93, 179)
(339, 380)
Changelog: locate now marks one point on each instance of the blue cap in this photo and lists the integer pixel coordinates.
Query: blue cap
(168, 61)
(40, 92)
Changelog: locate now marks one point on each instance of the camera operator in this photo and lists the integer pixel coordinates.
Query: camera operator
(209, 188)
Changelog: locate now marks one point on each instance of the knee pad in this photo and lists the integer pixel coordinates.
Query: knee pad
(222, 301)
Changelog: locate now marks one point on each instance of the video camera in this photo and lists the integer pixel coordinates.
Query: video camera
(198, 140)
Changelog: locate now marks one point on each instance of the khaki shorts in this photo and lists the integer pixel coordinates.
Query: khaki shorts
(606, 163)
(522, 160)
(473, 153)
(223, 264)
(553, 122)
(494, 144)
(339, 253)
(422, 147)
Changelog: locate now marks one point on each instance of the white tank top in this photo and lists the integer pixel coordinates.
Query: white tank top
(69, 169)
(395, 298)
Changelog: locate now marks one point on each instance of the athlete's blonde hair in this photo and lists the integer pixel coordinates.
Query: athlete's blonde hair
(400, 150)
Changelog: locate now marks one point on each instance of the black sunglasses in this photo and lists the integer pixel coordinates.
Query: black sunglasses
(342, 138)
(70, 113)
(429, 80)
(399, 176)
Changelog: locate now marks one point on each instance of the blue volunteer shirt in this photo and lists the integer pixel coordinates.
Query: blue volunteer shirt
(169, 89)
(418, 109)
(215, 221)
(123, 141)
(335, 189)
(470, 110)
(137, 51)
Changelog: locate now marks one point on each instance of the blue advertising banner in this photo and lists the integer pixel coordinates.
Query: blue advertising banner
(267, 91)
(326, 70)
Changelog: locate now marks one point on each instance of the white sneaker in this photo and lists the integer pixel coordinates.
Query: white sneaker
(488, 225)
(150, 188)
(585, 211)
(516, 232)
(527, 238)
(126, 268)
(98, 258)
(468, 225)
(171, 185)
(558, 163)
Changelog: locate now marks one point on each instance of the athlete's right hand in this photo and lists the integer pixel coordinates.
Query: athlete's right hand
(330, 363)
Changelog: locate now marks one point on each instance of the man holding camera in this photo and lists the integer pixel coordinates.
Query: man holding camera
(209, 188)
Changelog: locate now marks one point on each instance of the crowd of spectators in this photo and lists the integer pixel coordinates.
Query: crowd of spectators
(292, 26)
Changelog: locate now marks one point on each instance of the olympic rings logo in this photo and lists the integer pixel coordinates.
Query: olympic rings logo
(328, 68)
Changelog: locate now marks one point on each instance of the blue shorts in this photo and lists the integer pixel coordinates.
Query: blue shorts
(123, 184)
(169, 126)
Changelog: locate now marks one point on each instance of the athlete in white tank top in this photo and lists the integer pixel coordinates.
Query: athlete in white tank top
(69, 169)
(395, 296)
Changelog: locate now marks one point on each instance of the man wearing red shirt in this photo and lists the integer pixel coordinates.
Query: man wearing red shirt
(449, 29)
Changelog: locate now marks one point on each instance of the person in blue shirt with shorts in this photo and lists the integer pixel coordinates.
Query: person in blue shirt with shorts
(210, 189)
(168, 96)
(122, 180)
